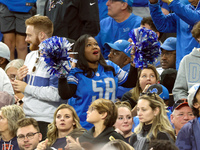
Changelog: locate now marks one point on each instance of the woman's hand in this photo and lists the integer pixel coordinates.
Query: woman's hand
(73, 144)
(42, 145)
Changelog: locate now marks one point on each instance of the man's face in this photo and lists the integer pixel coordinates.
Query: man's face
(114, 8)
(181, 116)
(32, 37)
(168, 59)
(194, 2)
(117, 57)
(30, 142)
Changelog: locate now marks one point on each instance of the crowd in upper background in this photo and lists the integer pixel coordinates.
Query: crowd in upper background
(131, 79)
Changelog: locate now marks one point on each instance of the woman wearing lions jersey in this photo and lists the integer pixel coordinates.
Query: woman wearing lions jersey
(92, 78)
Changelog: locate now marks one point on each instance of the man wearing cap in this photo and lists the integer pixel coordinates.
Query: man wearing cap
(189, 136)
(168, 54)
(181, 21)
(4, 55)
(122, 57)
(189, 69)
(181, 114)
(119, 23)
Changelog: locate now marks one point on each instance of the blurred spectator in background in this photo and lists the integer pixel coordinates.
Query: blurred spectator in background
(12, 22)
(4, 55)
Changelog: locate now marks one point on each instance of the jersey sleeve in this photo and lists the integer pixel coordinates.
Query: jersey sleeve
(121, 74)
(72, 78)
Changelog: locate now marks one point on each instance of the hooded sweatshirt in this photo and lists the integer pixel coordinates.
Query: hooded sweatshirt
(102, 138)
(188, 74)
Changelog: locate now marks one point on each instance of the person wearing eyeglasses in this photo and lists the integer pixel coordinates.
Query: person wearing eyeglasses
(154, 123)
(9, 115)
(122, 58)
(28, 134)
(181, 114)
(189, 136)
(168, 54)
(11, 70)
(189, 68)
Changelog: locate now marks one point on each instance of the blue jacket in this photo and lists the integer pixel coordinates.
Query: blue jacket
(181, 22)
(111, 31)
(103, 9)
(189, 136)
(18, 5)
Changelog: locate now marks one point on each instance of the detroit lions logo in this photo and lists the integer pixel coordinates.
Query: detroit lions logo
(154, 90)
(118, 41)
(53, 3)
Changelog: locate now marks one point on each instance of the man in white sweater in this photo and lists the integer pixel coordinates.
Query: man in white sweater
(41, 96)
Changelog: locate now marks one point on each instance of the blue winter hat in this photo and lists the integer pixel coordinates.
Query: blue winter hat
(120, 45)
(169, 44)
(160, 90)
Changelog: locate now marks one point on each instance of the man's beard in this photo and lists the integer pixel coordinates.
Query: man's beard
(35, 45)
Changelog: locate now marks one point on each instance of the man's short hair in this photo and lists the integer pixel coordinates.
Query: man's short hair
(27, 122)
(149, 21)
(41, 23)
(196, 31)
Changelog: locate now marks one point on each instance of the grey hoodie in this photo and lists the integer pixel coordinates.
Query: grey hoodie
(188, 74)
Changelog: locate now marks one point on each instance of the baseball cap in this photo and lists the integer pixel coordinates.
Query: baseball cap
(130, 2)
(160, 90)
(169, 44)
(119, 45)
(4, 51)
(178, 104)
(192, 93)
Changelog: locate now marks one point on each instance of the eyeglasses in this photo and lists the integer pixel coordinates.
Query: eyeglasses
(114, 52)
(178, 103)
(29, 136)
(167, 54)
(12, 77)
(149, 94)
(36, 62)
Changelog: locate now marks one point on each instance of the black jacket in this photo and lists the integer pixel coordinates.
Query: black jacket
(101, 138)
(73, 18)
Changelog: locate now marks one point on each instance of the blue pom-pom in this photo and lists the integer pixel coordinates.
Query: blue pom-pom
(146, 45)
(55, 53)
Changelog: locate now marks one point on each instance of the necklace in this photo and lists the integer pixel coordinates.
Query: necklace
(8, 146)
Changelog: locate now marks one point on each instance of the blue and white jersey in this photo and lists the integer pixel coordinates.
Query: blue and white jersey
(103, 85)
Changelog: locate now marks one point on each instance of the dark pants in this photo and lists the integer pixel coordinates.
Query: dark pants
(43, 128)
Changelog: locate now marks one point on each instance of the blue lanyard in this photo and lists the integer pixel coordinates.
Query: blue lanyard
(199, 119)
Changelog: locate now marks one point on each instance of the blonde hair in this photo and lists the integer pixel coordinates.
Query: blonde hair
(16, 63)
(12, 113)
(160, 122)
(117, 144)
(135, 92)
(104, 105)
(41, 23)
(52, 133)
